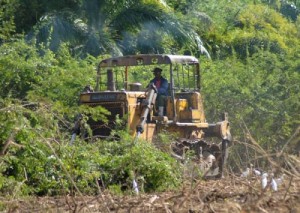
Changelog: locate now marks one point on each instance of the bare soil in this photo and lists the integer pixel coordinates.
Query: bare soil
(230, 194)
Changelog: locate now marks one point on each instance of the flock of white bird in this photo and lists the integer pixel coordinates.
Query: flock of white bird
(266, 179)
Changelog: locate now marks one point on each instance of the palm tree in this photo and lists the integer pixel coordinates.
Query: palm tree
(125, 27)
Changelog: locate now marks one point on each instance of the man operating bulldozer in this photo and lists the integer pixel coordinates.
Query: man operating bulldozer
(162, 90)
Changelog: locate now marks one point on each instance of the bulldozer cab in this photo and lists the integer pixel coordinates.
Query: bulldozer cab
(182, 72)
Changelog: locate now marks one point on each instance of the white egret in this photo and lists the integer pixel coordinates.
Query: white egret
(264, 180)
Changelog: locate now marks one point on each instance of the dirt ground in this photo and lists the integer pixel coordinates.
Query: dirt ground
(230, 194)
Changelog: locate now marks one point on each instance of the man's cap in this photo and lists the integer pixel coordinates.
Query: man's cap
(157, 69)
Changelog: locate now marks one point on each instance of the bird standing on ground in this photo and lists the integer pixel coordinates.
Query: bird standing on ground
(135, 186)
(264, 180)
(274, 185)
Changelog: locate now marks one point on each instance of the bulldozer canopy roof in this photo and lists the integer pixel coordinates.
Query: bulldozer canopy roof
(139, 60)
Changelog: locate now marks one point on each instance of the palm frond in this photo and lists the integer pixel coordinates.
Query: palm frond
(57, 28)
(152, 18)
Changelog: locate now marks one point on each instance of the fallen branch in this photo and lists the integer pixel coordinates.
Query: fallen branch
(9, 141)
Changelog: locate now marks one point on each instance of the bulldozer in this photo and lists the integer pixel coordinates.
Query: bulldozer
(123, 89)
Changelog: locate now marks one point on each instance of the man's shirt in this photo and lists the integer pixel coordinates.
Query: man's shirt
(161, 85)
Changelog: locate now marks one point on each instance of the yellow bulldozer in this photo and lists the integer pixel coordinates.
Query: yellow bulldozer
(123, 89)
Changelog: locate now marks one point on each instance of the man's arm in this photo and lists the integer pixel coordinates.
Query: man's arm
(150, 82)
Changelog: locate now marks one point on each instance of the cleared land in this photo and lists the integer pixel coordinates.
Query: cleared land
(230, 194)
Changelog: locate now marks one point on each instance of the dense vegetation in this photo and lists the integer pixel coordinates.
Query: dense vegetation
(48, 53)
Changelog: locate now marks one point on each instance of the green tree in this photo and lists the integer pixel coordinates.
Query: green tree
(262, 93)
(7, 24)
(57, 77)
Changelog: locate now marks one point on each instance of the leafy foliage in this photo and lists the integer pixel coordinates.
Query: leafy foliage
(266, 101)
(43, 163)
(56, 77)
(7, 25)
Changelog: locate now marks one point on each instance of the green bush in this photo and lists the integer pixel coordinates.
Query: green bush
(41, 162)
